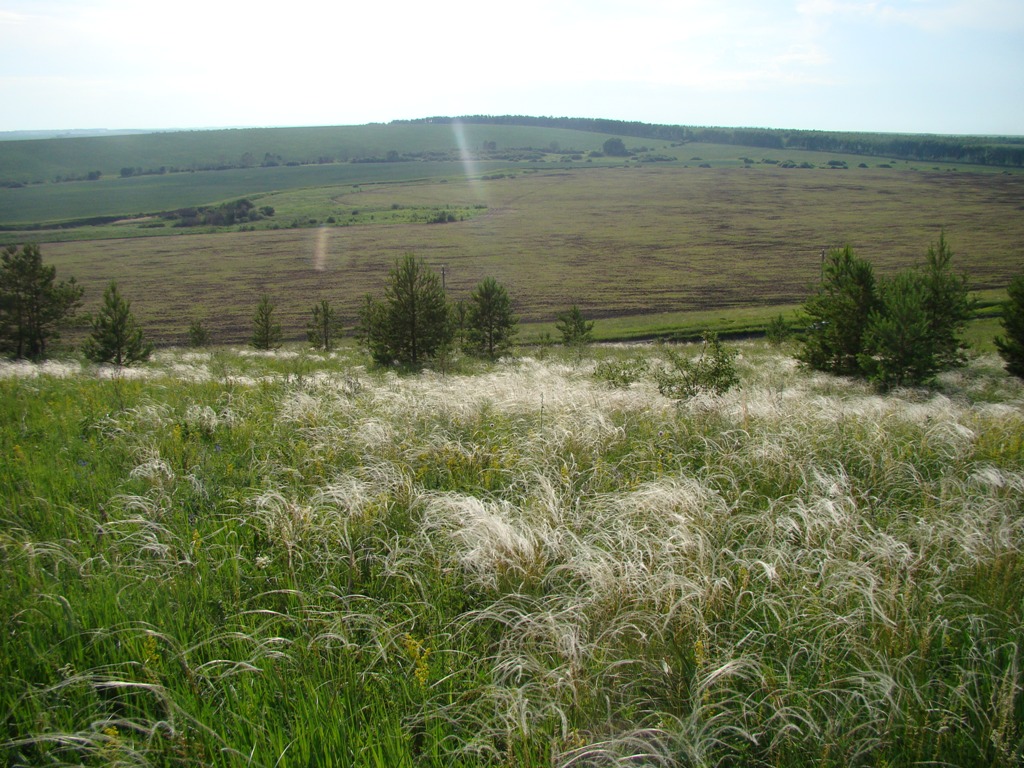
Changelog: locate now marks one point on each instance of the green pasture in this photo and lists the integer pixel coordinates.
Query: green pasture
(142, 195)
(46, 159)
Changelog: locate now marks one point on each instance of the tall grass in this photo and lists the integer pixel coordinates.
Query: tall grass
(230, 559)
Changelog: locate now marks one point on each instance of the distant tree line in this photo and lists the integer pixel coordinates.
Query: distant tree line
(996, 150)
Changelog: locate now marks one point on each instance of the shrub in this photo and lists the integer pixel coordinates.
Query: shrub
(621, 373)
(712, 373)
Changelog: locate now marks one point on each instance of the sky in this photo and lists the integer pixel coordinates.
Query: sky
(917, 66)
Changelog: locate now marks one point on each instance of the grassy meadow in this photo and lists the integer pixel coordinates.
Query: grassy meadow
(645, 250)
(224, 558)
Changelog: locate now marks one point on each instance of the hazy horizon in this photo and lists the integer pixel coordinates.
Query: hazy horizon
(87, 132)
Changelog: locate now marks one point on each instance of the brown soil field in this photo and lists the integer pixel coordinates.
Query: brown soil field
(620, 242)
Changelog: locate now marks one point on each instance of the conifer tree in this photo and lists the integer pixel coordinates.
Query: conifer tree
(411, 324)
(266, 331)
(491, 322)
(198, 334)
(116, 337)
(576, 330)
(1011, 345)
(33, 305)
(324, 326)
(946, 304)
(838, 314)
(899, 348)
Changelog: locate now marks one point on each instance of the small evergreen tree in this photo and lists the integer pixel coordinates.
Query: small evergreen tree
(947, 305)
(198, 334)
(575, 329)
(33, 305)
(266, 332)
(899, 346)
(777, 331)
(1011, 346)
(324, 326)
(459, 321)
(411, 324)
(371, 330)
(838, 314)
(116, 337)
(491, 323)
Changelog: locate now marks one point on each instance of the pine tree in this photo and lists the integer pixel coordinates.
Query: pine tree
(266, 332)
(1011, 346)
(491, 323)
(900, 348)
(198, 334)
(116, 337)
(838, 314)
(324, 326)
(576, 330)
(946, 304)
(411, 324)
(33, 305)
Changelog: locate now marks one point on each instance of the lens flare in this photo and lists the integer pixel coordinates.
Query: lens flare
(469, 166)
(320, 250)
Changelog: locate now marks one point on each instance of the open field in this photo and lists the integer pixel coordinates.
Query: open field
(233, 559)
(714, 234)
(623, 242)
(44, 160)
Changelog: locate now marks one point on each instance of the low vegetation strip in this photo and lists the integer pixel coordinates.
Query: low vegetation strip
(240, 558)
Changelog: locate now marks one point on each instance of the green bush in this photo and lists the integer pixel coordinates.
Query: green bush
(712, 373)
(621, 373)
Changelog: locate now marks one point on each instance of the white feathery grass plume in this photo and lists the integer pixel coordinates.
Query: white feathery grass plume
(488, 544)
(154, 469)
(994, 479)
(23, 369)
